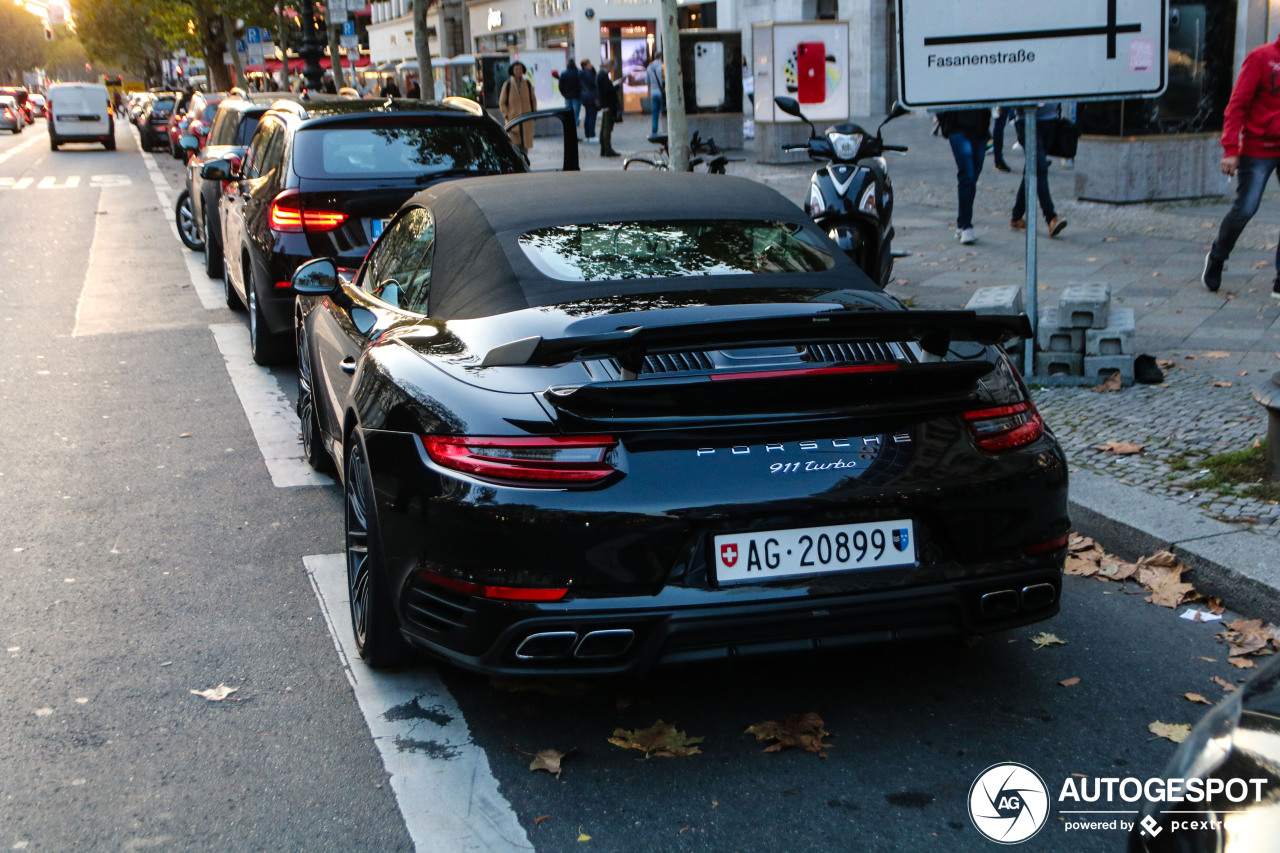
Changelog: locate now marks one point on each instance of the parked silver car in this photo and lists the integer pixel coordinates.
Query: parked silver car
(10, 115)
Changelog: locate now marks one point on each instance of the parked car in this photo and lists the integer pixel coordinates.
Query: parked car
(80, 112)
(23, 99)
(320, 179)
(591, 423)
(200, 117)
(1236, 742)
(37, 104)
(177, 124)
(10, 115)
(137, 103)
(228, 138)
(153, 122)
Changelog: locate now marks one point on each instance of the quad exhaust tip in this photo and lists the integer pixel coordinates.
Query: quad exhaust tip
(595, 645)
(1006, 602)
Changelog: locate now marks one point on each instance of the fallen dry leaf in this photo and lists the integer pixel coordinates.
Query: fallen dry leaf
(660, 739)
(1227, 686)
(1218, 353)
(1222, 385)
(184, 435)
(1119, 448)
(1196, 697)
(1176, 732)
(216, 694)
(540, 819)
(1161, 574)
(1044, 640)
(1241, 663)
(548, 760)
(1070, 682)
(1210, 660)
(1250, 637)
(1112, 383)
(582, 836)
(1215, 605)
(802, 730)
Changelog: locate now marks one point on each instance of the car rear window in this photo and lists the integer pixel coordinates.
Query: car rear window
(404, 151)
(606, 251)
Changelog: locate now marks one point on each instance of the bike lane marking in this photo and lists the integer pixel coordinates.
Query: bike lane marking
(446, 790)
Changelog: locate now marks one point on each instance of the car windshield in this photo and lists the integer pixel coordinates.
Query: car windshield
(621, 250)
(408, 150)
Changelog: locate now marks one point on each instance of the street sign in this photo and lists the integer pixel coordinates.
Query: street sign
(253, 35)
(242, 47)
(351, 42)
(955, 52)
(348, 29)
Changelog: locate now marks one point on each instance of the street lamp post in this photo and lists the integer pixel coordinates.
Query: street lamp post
(311, 49)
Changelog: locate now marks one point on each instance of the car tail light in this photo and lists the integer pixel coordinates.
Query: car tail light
(1005, 427)
(527, 460)
(508, 593)
(1046, 547)
(288, 215)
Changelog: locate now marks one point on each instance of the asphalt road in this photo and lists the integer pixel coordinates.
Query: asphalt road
(145, 552)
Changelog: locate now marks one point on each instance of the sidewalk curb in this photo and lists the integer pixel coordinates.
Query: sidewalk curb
(1234, 564)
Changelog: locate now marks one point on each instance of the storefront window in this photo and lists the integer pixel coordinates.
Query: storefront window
(500, 42)
(697, 16)
(632, 44)
(557, 35)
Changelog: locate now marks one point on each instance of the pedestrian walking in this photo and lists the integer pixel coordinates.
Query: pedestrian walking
(390, 89)
(608, 98)
(590, 103)
(1250, 152)
(1003, 114)
(516, 99)
(1044, 116)
(657, 93)
(571, 90)
(967, 131)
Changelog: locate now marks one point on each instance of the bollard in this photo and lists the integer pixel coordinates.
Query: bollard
(1269, 397)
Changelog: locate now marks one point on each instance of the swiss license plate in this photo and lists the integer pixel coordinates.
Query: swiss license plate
(771, 554)
(376, 226)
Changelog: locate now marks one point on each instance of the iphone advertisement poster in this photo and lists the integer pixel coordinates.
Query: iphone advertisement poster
(805, 61)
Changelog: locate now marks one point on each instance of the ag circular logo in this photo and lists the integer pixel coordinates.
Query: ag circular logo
(1008, 803)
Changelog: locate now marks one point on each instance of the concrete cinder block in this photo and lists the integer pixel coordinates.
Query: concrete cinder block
(1004, 300)
(1051, 337)
(1101, 367)
(1086, 305)
(1115, 339)
(1060, 364)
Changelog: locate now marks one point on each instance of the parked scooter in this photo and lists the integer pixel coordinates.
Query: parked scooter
(851, 197)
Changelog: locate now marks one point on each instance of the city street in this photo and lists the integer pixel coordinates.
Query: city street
(161, 535)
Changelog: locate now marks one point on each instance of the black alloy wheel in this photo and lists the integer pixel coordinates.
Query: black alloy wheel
(313, 448)
(213, 256)
(265, 346)
(186, 222)
(372, 618)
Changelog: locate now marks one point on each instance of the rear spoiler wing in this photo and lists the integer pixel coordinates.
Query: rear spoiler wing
(933, 330)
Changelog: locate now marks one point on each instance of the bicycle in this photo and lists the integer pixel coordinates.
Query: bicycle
(701, 153)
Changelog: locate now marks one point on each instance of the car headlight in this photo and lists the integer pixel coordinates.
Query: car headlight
(845, 145)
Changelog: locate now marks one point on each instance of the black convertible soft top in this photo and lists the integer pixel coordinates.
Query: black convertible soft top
(479, 269)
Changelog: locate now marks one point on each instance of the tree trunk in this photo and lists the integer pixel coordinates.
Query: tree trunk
(335, 58)
(673, 82)
(214, 41)
(236, 61)
(422, 46)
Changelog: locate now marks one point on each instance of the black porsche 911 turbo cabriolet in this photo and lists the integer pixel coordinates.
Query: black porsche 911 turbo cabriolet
(591, 423)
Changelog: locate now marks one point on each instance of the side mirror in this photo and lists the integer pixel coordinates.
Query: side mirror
(188, 142)
(217, 170)
(898, 111)
(790, 106)
(318, 277)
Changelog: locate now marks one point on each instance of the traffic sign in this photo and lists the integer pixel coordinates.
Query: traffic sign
(955, 52)
(242, 47)
(253, 35)
(348, 28)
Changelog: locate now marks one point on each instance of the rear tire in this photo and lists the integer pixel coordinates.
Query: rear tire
(213, 254)
(186, 222)
(53, 142)
(110, 142)
(313, 445)
(373, 618)
(267, 348)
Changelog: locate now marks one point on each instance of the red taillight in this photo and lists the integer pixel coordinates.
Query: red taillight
(508, 593)
(550, 460)
(806, 371)
(1005, 427)
(288, 215)
(1045, 547)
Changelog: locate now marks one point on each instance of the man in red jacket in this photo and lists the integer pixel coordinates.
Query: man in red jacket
(1251, 151)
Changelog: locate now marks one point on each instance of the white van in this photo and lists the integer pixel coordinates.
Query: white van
(79, 112)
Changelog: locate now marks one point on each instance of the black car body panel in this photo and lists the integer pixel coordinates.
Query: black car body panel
(737, 404)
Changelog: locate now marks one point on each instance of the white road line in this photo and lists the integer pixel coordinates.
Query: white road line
(22, 146)
(211, 295)
(271, 416)
(443, 784)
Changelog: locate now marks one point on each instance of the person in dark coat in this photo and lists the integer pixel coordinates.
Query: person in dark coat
(415, 91)
(390, 89)
(608, 97)
(587, 86)
(571, 90)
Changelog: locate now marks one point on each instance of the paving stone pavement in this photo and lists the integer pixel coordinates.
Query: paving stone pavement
(1150, 254)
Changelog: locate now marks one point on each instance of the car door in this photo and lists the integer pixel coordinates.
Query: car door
(391, 287)
(232, 208)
